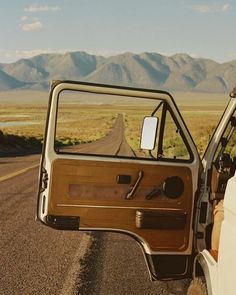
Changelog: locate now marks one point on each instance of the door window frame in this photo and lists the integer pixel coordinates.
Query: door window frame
(166, 107)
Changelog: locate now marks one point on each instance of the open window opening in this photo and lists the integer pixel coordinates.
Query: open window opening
(111, 126)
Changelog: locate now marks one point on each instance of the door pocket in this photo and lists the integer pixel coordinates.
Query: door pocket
(160, 219)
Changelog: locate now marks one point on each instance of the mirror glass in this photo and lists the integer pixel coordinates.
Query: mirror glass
(149, 133)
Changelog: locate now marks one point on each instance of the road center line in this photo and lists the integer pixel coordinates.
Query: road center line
(16, 173)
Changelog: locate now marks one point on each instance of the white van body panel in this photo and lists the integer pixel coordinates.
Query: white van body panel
(210, 267)
(227, 247)
(220, 276)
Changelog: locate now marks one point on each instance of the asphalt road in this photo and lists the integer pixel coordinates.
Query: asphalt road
(114, 143)
(35, 259)
(39, 260)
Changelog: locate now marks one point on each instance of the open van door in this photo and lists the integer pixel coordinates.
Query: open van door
(121, 159)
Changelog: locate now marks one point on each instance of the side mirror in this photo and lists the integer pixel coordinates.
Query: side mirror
(149, 133)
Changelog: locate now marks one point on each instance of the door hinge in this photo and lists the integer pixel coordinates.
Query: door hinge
(203, 212)
(200, 235)
(44, 180)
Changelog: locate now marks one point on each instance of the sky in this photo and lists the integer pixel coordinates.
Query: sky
(109, 27)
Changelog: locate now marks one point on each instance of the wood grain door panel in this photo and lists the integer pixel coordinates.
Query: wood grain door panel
(90, 190)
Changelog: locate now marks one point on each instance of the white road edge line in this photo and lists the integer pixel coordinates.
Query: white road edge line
(16, 173)
(69, 287)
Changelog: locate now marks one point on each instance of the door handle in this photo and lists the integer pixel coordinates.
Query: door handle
(154, 193)
(134, 188)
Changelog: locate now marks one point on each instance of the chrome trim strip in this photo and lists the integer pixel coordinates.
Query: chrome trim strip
(113, 207)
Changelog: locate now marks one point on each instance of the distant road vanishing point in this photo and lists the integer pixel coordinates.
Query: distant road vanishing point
(114, 144)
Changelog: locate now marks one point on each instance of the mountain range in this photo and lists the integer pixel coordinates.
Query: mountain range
(179, 72)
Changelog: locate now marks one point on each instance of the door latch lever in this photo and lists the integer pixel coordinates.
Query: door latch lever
(154, 193)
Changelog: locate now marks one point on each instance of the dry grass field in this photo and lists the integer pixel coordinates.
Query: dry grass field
(24, 112)
(201, 113)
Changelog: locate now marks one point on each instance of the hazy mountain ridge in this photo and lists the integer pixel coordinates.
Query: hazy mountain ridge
(8, 82)
(179, 72)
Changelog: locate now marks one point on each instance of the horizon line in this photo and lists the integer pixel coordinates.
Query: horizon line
(12, 56)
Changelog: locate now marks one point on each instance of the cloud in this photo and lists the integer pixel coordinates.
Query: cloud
(206, 8)
(41, 8)
(9, 56)
(14, 55)
(33, 26)
(105, 53)
(24, 18)
(194, 55)
(232, 55)
(202, 8)
(225, 7)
